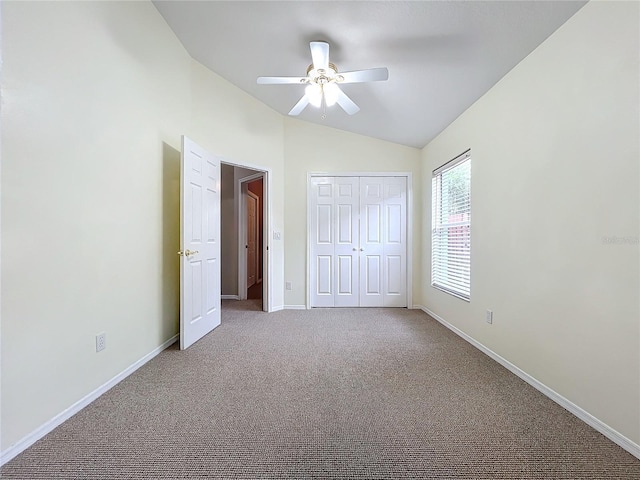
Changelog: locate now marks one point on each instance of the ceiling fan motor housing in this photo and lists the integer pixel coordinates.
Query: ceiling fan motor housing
(322, 76)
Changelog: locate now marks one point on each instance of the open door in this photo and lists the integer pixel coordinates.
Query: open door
(199, 243)
(252, 238)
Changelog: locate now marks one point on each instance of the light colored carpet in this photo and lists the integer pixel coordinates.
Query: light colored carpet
(326, 393)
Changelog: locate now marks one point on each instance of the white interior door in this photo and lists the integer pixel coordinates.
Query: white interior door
(252, 238)
(199, 243)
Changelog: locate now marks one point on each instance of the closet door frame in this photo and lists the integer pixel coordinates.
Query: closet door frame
(409, 177)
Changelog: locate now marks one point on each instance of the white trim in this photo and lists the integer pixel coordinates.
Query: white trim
(229, 297)
(20, 446)
(295, 307)
(359, 174)
(277, 308)
(409, 177)
(307, 245)
(409, 238)
(612, 434)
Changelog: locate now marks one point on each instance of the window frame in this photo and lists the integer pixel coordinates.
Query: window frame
(438, 227)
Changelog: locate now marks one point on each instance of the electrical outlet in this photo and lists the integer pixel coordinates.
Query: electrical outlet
(489, 316)
(287, 285)
(101, 341)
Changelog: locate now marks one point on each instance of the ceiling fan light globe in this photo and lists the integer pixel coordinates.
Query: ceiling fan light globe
(330, 94)
(314, 94)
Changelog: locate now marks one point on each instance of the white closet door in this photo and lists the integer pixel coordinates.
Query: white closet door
(322, 242)
(358, 241)
(371, 241)
(395, 242)
(346, 212)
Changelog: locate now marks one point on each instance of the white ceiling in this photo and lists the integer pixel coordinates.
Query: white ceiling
(441, 55)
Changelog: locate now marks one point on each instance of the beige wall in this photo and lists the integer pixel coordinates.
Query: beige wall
(555, 172)
(315, 148)
(95, 98)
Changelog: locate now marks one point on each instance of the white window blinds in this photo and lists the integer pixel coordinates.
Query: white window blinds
(451, 227)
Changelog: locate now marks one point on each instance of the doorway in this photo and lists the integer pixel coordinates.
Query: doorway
(245, 222)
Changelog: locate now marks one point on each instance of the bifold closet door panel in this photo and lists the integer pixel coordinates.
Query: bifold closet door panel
(371, 241)
(395, 242)
(346, 252)
(322, 287)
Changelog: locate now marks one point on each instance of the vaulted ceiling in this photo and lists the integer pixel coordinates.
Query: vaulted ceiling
(441, 55)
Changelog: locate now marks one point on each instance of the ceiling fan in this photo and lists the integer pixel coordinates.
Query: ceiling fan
(323, 80)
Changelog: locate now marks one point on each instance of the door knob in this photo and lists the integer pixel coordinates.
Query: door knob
(187, 252)
(355, 249)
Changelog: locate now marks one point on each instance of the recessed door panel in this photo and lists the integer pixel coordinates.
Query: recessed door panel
(371, 287)
(372, 191)
(324, 224)
(325, 190)
(213, 216)
(394, 224)
(196, 213)
(345, 190)
(345, 275)
(325, 274)
(345, 224)
(211, 286)
(197, 285)
(372, 223)
(394, 275)
(373, 275)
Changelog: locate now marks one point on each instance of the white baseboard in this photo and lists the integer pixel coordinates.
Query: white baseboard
(229, 297)
(295, 307)
(276, 308)
(612, 434)
(47, 427)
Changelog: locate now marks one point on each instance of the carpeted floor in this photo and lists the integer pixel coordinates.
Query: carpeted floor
(326, 393)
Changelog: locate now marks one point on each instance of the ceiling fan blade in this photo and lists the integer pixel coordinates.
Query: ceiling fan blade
(369, 75)
(320, 55)
(346, 103)
(280, 80)
(298, 107)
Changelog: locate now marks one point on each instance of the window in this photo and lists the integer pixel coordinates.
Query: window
(451, 227)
